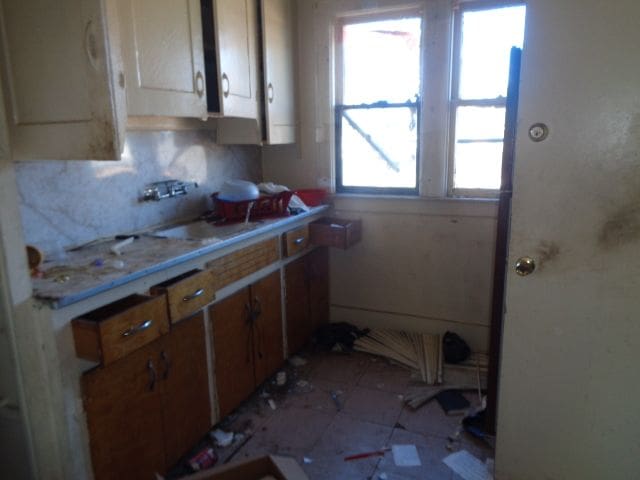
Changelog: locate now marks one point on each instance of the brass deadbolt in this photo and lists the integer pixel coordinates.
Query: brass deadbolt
(525, 266)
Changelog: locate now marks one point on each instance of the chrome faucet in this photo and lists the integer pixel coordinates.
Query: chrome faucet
(166, 189)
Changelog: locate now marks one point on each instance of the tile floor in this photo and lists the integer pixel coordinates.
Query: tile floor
(307, 424)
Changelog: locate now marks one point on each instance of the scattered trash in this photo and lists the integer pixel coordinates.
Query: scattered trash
(237, 449)
(453, 402)
(117, 248)
(205, 458)
(117, 264)
(406, 456)
(340, 335)
(454, 348)
(467, 466)
(297, 361)
(281, 378)
(417, 351)
(272, 404)
(307, 460)
(383, 476)
(98, 262)
(222, 438)
(336, 400)
(62, 278)
(302, 383)
(375, 453)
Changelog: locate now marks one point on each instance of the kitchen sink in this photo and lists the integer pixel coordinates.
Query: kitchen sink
(205, 232)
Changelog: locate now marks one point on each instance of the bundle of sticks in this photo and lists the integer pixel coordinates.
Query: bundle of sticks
(418, 351)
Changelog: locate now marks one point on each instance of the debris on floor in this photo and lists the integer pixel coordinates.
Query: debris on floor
(297, 361)
(468, 466)
(335, 396)
(418, 351)
(222, 438)
(205, 458)
(337, 336)
(360, 456)
(406, 456)
(453, 402)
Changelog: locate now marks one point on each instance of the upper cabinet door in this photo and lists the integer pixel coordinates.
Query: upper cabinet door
(163, 55)
(235, 26)
(278, 64)
(59, 80)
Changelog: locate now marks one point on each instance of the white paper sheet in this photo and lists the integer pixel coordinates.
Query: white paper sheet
(467, 466)
(405, 455)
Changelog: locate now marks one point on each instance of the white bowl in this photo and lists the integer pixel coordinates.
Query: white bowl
(238, 191)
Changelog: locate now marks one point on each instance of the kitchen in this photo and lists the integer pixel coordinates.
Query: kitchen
(449, 253)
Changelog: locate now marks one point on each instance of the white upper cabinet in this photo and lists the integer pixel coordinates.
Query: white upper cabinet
(161, 43)
(279, 71)
(61, 85)
(235, 29)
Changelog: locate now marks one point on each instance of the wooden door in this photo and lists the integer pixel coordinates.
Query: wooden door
(57, 72)
(569, 389)
(299, 326)
(278, 34)
(318, 275)
(233, 350)
(123, 404)
(235, 26)
(183, 368)
(164, 59)
(267, 326)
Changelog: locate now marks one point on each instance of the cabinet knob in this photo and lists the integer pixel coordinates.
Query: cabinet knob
(226, 86)
(200, 84)
(270, 92)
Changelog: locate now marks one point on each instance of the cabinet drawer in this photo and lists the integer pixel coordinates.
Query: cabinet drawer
(187, 293)
(115, 330)
(295, 241)
(234, 266)
(335, 232)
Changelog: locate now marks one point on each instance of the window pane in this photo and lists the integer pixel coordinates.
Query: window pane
(478, 165)
(378, 147)
(487, 37)
(480, 123)
(381, 61)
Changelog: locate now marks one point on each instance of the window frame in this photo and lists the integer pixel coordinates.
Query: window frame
(339, 106)
(454, 96)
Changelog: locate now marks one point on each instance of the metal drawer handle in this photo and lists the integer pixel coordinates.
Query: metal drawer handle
(226, 85)
(299, 240)
(140, 328)
(199, 84)
(195, 294)
(152, 375)
(270, 93)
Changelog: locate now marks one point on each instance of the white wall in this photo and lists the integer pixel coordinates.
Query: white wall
(424, 264)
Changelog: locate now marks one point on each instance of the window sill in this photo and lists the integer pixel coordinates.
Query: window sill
(414, 205)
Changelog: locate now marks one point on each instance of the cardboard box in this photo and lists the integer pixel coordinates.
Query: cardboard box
(282, 468)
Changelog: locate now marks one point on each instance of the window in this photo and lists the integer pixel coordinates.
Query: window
(483, 39)
(378, 104)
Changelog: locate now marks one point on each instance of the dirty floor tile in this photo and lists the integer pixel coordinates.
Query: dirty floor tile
(429, 420)
(341, 368)
(346, 436)
(431, 451)
(375, 406)
(380, 375)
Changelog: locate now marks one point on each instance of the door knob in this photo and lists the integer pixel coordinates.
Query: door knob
(525, 266)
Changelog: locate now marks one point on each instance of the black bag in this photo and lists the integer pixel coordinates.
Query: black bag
(454, 348)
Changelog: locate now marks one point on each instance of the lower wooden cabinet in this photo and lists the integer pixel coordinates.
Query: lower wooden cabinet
(147, 409)
(247, 340)
(307, 296)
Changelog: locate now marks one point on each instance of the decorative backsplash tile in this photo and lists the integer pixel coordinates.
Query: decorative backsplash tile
(67, 203)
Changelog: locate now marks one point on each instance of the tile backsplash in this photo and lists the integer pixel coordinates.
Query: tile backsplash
(68, 203)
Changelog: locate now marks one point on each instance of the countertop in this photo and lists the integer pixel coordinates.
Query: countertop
(94, 269)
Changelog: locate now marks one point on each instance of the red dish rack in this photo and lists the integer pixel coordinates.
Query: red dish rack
(265, 206)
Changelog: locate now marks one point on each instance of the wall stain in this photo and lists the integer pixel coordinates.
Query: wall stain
(546, 252)
(621, 228)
